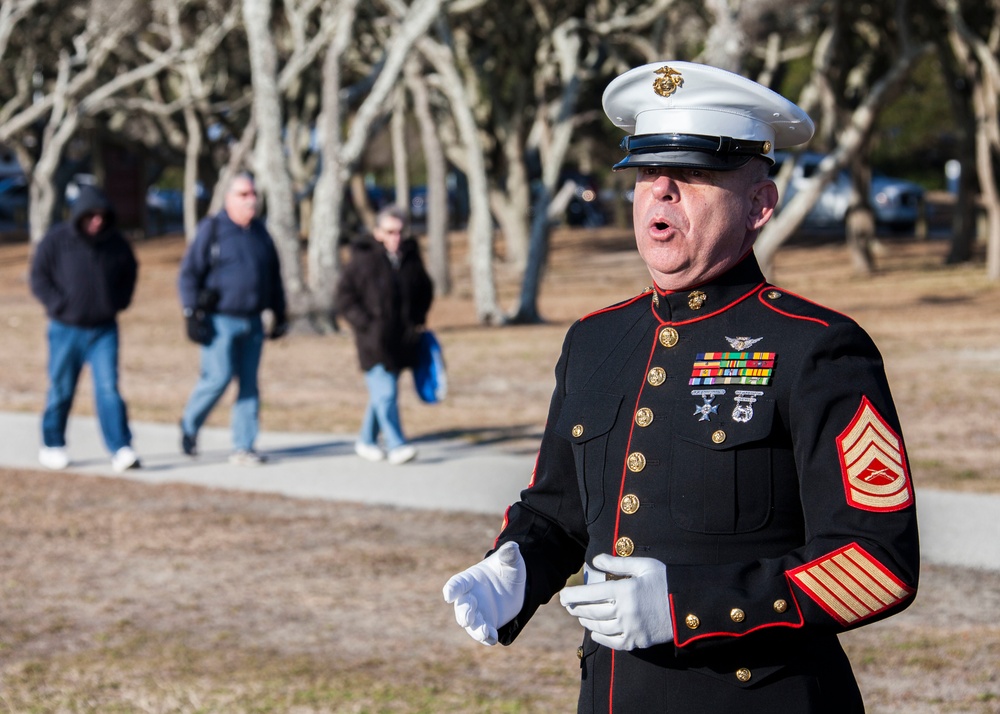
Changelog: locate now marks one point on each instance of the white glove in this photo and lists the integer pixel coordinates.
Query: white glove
(489, 594)
(624, 614)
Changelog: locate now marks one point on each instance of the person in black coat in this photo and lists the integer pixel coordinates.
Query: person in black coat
(722, 458)
(385, 294)
(84, 273)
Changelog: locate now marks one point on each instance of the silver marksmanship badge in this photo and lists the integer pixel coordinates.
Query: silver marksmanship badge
(741, 343)
(743, 412)
(706, 409)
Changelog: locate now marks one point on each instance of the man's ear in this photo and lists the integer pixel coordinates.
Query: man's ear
(763, 200)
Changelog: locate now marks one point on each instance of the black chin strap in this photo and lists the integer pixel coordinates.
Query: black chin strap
(721, 145)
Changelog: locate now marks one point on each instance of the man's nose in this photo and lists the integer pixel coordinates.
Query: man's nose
(665, 187)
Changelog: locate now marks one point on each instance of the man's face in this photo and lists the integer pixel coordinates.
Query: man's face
(692, 225)
(241, 202)
(389, 232)
(91, 224)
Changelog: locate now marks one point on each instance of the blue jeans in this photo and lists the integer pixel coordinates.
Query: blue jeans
(234, 352)
(382, 412)
(69, 349)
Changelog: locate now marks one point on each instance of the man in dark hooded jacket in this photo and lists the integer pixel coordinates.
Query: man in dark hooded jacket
(385, 294)
(84, 273)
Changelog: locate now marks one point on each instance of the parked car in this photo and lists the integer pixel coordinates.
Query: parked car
(13, 198)
(897, 203)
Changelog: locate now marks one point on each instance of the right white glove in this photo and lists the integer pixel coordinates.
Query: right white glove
(489, 594)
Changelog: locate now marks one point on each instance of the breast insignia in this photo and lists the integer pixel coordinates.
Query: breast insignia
(743, 411)
(741, 343)
(706, 409)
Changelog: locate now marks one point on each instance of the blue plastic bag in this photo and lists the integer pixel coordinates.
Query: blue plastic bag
(429, 375)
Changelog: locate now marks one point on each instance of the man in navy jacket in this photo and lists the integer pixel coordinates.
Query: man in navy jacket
(722, 457)
(231, 274)
(84, 273)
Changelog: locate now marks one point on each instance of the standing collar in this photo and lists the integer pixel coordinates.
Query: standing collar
(711, 298)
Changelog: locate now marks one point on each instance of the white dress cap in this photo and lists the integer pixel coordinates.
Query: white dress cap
(687, 114)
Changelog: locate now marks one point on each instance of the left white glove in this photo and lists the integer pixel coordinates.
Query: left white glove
(624, 614)
(490, 593)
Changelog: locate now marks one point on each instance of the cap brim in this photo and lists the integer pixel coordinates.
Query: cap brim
(685, 160)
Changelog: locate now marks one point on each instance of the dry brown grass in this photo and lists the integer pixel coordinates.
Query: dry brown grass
(118, 596)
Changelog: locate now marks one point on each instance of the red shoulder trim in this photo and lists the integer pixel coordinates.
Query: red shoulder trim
(763, 301)
(619, 306)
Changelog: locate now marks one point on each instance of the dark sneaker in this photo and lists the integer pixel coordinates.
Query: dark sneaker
(189, 443)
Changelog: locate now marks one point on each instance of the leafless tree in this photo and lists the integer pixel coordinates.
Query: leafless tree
(977, 57)
(342, 152)
(437, 208)
(99, 54)
(854, 77)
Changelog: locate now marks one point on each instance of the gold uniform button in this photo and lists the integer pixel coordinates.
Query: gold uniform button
(644, 417)
(737, 615)
(579, 652)
(668, 337)
(719, 436)
(656, 376)
(624, 547)
(773, 294)
(578, 431)
(630, 503)
(636, 462)
(780, 606)
(743, 674)
(692, 622)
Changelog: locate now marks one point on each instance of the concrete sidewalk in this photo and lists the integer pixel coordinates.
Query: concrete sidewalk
(449, 474)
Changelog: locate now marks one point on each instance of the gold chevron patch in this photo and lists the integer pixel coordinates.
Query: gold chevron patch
(850, 584)
(873, 463)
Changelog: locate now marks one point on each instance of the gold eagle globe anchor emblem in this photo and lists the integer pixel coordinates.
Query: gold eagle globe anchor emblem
(668, 82)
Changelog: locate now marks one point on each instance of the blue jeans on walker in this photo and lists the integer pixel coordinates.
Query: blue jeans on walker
(234, 352)
(70, 348)
(382, 412)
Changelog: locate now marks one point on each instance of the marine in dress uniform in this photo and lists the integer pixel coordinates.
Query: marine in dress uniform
(724, 461)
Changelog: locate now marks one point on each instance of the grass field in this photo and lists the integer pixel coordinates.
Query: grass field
(122, 597)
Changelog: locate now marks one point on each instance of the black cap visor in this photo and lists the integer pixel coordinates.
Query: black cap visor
(718, 153)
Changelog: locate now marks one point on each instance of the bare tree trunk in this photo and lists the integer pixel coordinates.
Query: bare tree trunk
(963, 220)
(272, 171)
(191, 154)
(60, 128)
(860, 222)
(400, 151)
(979, 63)
(480, 230)
(437, 183)
(557, 137)
(986, 168)
(328, 195)
(512, 206)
